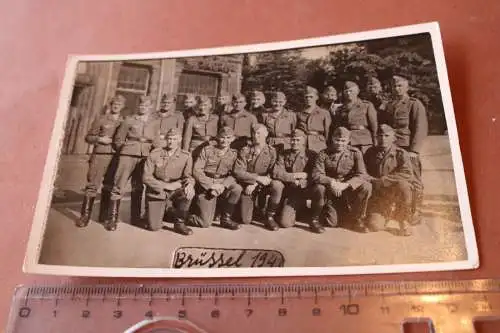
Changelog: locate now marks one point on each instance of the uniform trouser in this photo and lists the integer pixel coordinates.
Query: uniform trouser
(205, 204)
(351, 204)
(129, 167)
(274, 190)
(102, 168)
(156, 208)
(398, 193)
(295, 201)
(417, 184)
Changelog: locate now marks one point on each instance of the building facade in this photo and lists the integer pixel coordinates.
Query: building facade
(97, 82)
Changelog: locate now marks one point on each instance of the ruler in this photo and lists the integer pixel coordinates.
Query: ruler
(368, 307)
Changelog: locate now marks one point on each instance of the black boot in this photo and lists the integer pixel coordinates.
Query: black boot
(316, 227)
(360, 225)
(404, 229)
(270, 221)
(181, 228)
(225, 220)
(111, 222)
(87, 205)
(136, 214)
(104, 206)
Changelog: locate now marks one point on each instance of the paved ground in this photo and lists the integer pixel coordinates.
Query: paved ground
(439, 238)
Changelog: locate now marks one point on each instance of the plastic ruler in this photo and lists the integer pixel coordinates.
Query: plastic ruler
(371, 307)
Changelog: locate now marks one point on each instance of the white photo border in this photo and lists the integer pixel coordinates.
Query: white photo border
(35, 242)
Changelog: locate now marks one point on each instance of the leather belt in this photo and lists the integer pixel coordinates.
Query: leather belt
(143, 140)
(356, 127)
(314, 133)
(215, 175)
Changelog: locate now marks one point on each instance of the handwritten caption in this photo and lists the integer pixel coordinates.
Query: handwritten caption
(198, 257)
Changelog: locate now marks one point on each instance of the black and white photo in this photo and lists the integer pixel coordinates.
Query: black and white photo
(326, 156)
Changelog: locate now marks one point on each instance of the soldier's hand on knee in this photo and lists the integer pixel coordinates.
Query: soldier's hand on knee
(249, 189)
(413, 155)
(189, 191)
(300, 175)
(264, 180)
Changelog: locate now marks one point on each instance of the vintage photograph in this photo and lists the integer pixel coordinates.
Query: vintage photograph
(333, 155)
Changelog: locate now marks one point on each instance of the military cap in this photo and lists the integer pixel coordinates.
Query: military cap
(166, 97)
(203, 99)
(278, 95)
(237, 97)
(258, 126)
(329, 89)
(118, 99)
(173, 132)
(257, 93)
(350, 84)
(225, 131)
(311, 90)
(372, 80)
(145, 99)
(385, 129)
(341, 132)
(190, 96)
(399, 77)
(298, 133)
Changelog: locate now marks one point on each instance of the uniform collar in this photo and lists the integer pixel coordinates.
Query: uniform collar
(176, 152)
(238, 114)
(143, 117)
(114, 116)
(165, 114)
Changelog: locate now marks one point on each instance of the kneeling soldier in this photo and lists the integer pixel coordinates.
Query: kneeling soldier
(167, 175)
(213, 173)
(390, 168)
(340, 177)
(293, 168)
(103, 162)
(253, 168)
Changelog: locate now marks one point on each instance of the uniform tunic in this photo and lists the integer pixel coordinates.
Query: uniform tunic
(316, 124)
(360, 118)
(241, 123)
(167, 121)
(280, 127)
(199, 130)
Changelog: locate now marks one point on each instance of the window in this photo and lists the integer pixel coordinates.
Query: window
(133, 82)
(199, 84)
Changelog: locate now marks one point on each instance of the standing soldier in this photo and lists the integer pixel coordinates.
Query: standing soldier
(293, 168)
(189, 106)
(253, 169)
(314, 121)
(223, 104)
(257, 101)
(102, 164)
(340, 177)
(133, 140)
(408, 118)
(167, 175)
(330, 98)
(240, 121)
(212, 171)
(200, 128)
(168, 118)
(279, 121)
(358, 116)
(390, 169)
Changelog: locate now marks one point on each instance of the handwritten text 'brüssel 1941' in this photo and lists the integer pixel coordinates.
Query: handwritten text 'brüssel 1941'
(197, 257)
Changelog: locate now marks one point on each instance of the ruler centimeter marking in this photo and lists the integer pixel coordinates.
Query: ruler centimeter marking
(296, 306)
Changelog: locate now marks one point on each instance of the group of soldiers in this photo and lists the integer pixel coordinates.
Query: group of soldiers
(356, 162)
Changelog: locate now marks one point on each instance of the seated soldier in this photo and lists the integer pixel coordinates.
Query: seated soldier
(390, 169)
(252, 169)
(340, 176)
(293, 168)
(167, 176)
(212, 171)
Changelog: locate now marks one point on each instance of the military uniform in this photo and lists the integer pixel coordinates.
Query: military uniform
(215, 166)
(241, 123)
(344, 166)
(199, 130)
(133, 140)
(332, 107)
(409, 120)
(280, 126)
(296, 192)
(163, 167)
(102, 166)
(167, 121)
(316, 125)
(258, 111)
(249, 165)
(392, 174)
(360, 118)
